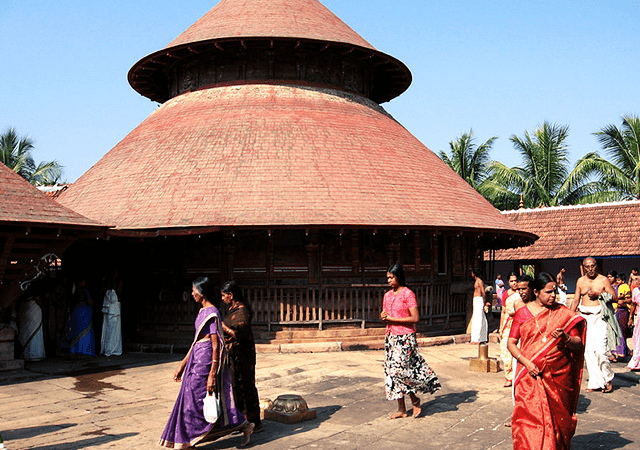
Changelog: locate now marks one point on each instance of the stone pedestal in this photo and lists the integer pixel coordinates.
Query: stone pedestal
(289, 408)
(483, 363)
(7, 338)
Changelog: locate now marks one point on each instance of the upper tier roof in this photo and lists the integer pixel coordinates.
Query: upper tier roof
(300, 19)
(302, 27)
(277, 155)
(22, 203)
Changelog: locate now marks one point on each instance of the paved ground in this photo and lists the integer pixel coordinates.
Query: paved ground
(123, 402)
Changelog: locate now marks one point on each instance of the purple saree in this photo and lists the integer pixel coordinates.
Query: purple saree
(187, 426)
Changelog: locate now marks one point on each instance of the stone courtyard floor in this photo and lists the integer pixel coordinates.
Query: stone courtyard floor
(123, 402)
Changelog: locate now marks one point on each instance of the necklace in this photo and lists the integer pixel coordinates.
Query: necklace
(544, 338)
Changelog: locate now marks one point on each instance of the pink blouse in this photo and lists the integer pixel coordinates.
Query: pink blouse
(397, 305)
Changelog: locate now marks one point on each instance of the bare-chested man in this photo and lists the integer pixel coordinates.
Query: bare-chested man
(586, 302)
(479, 325)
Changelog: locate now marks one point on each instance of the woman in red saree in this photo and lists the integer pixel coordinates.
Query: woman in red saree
(547, 379)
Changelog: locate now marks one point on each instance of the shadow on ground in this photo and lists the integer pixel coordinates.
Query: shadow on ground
(64, 366)
(447, 402)
(275, 430)
(31, 432)
(605, 440)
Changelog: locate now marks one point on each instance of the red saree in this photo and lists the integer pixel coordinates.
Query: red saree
(544, 415)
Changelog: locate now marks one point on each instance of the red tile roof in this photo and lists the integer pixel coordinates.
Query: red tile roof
(276, 155)
(299, 19)
(604, 229)
(21, 202)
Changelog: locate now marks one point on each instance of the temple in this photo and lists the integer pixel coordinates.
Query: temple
(272, 162)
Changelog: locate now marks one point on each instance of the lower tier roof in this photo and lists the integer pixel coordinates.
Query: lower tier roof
(277, 155)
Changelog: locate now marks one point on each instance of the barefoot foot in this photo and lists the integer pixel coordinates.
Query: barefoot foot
(397, 415)
(416, 408)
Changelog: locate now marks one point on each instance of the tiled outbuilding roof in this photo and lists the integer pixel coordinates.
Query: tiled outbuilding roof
(299, 19)
(604, 229)
(21, 202)
(277, 155)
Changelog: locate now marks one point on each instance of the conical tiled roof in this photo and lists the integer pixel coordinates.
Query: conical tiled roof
(297, 19)
(278, 152)
(266, 155)
(21, 202)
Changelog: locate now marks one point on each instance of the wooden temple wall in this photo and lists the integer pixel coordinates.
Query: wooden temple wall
(320, 281)
(293, 278)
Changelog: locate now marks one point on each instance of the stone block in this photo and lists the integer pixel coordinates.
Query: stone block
(484, 365)
(12, 364)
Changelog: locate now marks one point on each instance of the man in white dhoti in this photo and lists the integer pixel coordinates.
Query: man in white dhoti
(586, 301)
(479, 325)
(30, 332)
(111, 342)
(562, 288)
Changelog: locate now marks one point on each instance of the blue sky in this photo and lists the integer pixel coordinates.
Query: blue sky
(499, 67)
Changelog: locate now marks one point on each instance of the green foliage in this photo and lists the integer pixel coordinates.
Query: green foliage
(467, 160)
(620, 177)
(15, 153)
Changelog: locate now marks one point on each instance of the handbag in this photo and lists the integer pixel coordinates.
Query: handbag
(211, 408)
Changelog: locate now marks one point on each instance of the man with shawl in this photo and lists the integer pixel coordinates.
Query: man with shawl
(590, 302)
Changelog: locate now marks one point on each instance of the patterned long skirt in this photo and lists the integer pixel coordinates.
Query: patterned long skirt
(405, 370)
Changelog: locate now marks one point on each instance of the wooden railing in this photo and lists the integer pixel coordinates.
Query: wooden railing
(320, 305)
(312, 304)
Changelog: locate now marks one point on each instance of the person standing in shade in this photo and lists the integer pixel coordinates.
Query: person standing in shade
(241, 348)
(479, 324)
(30, 332)
(81, 335)
(406, 372)
(588, 304)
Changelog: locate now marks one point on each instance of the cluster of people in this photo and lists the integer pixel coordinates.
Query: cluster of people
(51, 315)
(547, 339)
(221, 360)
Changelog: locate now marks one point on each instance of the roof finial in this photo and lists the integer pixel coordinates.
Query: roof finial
(521, 202)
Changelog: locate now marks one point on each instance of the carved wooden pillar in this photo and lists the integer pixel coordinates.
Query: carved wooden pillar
(313, 256)
(355, 252)
(228, 250)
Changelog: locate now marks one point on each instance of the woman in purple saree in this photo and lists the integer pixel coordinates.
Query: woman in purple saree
(204, 370)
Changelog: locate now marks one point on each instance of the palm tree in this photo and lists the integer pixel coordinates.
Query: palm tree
(544, 178)
(15, 153)
(469, 161)
(618, 179)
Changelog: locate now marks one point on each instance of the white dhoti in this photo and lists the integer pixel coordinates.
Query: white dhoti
(30, 332)
(479, 325)
(595, 348)
(562, 295)
(111, 342)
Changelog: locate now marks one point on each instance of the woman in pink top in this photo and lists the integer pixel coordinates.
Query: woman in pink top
(405, 370)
